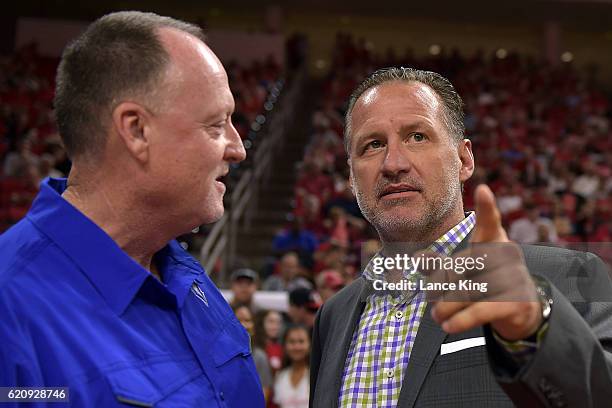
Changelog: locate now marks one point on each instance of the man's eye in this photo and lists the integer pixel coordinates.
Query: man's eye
(418, 137)
(374, 144)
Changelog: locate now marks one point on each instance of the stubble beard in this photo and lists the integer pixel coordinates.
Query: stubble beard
(415, 229)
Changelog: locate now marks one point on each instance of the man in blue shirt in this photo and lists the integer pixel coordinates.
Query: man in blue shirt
(95, 294)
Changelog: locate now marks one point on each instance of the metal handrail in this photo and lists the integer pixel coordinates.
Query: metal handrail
(212, 236)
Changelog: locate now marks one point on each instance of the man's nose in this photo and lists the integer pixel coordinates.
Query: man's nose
(235, 151)
(396, 159)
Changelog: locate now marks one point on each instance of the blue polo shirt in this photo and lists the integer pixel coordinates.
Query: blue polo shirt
(76, 311)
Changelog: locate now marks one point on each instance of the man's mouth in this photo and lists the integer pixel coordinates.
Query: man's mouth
(398, 190)
(220, 181)
(222, 176)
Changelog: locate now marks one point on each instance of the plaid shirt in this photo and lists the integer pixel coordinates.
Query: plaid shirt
(381, 346)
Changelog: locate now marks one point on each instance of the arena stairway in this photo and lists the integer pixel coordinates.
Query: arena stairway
(275, 199)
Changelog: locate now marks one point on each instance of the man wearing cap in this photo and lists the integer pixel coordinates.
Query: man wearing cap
(243, 287)
(303, 306)
(329, 282)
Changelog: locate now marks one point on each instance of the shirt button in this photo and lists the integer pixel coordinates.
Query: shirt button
(399, 314)
(222, 396)
(390, 373)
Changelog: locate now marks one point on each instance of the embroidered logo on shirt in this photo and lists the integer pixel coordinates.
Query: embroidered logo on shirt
(199, 293)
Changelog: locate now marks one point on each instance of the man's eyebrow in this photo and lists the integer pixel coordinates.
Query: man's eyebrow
(366, 133)
(220, 115)
(417, 125)
(374, 134)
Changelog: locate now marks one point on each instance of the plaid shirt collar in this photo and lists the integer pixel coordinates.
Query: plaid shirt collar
(445, 245)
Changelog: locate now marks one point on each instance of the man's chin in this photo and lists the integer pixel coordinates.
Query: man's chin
(399, 224)
(400, 210)
(213, 216)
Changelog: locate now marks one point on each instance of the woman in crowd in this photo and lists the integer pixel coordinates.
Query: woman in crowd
(268, 329)
(245, 317)
(292, 384)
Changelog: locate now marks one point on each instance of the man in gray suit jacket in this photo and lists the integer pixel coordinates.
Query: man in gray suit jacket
(540, 336)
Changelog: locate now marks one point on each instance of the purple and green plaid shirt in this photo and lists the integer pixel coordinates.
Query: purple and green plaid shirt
(381, 346)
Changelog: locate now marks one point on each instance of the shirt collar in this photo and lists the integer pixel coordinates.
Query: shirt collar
(115, 275)
(445, 245)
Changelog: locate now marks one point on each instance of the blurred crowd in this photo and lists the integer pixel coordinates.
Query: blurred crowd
(30, 148)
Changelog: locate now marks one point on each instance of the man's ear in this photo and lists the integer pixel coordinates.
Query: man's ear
(467, 160)
(130, 121)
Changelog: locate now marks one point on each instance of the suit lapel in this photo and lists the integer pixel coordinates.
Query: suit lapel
(424, 351)
(340, 352)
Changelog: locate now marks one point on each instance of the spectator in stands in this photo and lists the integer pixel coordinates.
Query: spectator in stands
(587, 184)
(268, 329)
(331, 255)
(329, 282)
(295, 238)
(292, 384)
(509, 198)
(288, 276)
(526, 230)
(561, 222)
(93, 284)
(243, 287)
(17, 163)
(303, 306)
(544, 234)
(245, 317)
(344, 199)
(46, 167)
(312, 180)
(310, 212)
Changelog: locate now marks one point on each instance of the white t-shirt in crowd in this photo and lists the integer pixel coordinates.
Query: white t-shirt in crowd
(286, 396)
(525, 231)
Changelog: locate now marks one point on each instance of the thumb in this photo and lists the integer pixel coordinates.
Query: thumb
(488, 219)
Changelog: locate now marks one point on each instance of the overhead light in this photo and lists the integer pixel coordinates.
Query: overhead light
(501, 53)
(435, 49)
(567, 56)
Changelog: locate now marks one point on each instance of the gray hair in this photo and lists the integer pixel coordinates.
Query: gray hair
(118, 56)
(453, 105)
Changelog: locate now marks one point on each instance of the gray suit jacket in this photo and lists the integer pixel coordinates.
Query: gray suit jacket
(572, 367)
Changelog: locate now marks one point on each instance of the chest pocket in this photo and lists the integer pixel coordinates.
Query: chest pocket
(460, 360)
(146, 386)
(236, 375)
(233, 341)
